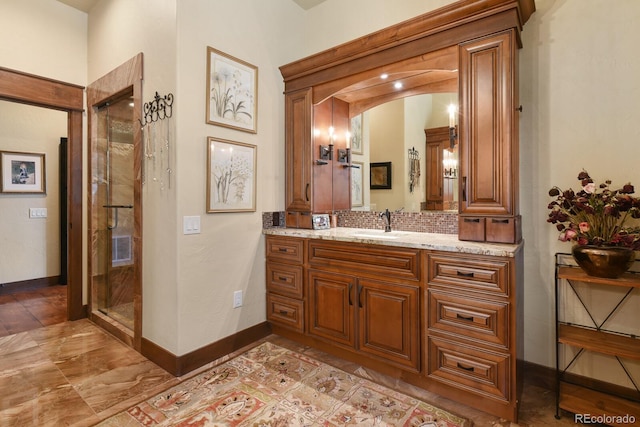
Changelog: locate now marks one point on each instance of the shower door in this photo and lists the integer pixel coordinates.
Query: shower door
(112, 224)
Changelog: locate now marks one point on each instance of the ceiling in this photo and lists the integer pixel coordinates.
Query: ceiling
(86, 5)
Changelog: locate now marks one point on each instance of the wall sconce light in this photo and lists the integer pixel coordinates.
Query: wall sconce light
(326, 151)
(453, 134)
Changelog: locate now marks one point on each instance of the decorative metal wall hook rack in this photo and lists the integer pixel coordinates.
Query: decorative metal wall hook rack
(159, 109)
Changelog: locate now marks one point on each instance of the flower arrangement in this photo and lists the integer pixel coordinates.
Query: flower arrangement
(596, 215)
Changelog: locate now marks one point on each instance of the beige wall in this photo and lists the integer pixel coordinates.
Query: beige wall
(31, 246)
(579, 89)
(46, 38)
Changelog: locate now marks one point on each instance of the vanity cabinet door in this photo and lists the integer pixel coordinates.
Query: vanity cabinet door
(389, 322)
(331, 307)
(489, 162)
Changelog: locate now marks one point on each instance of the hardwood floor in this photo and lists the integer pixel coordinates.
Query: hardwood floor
(55, 373)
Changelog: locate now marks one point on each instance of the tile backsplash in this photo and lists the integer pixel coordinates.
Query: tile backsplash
(444, 222)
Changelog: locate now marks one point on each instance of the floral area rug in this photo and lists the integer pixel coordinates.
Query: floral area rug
(272, 386)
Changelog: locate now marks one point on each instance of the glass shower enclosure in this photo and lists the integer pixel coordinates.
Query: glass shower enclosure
(113, 206)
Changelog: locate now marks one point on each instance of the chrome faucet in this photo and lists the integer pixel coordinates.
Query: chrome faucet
(386, 215)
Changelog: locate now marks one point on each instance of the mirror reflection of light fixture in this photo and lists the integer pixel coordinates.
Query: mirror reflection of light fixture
(453, 134)
(344, 154)
(449, 164)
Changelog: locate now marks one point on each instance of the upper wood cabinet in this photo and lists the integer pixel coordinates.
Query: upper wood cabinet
(298, 147)
(317, 180)
(489, 139)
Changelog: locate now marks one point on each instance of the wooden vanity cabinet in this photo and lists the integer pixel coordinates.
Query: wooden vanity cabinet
(489, 139)
(285, 281)
(366, 298)
(474, 330)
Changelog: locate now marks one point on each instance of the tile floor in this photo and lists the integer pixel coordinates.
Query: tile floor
(74, 373)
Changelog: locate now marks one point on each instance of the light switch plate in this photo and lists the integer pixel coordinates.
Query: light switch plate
(37, 212)
(191, 224)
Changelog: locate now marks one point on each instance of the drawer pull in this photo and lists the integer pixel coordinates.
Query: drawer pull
(283, 249)
(500, 221)
(472, 220)
(463, 274)
(284, 312)
(463, 317)
(282, 279)
(465, 368)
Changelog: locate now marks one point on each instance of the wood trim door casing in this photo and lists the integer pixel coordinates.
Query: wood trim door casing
(17, 86)
(127, 76)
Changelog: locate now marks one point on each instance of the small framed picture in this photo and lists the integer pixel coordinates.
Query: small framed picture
(380, 175)
(231, 176)
(22, 172)
(232, 92)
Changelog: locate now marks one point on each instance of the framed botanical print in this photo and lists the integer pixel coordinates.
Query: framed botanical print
(22, 172)
(232, 92)
(357, 185)
(356, 135)
(231, 176)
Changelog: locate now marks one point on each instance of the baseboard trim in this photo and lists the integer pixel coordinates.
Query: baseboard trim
(180, 365)
(28, 285)
(539, 375)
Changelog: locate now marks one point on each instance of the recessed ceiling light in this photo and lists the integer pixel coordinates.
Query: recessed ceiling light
(397, 85)
(384, 76)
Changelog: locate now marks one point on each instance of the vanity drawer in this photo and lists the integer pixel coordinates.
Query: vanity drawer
(475, 319)
(469, 368)
(285, 249)
(285, 311)
(285, 279)
(503, 230)
(470, 272)
(371, 260)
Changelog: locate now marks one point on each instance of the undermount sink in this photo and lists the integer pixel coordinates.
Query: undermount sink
(378, 234)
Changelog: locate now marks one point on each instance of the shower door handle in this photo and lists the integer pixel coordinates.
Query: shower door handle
(116, 207)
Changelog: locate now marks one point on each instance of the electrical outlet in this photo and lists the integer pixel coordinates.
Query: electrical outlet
(237, 299)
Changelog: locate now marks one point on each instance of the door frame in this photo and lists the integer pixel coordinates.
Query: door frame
(25, 88)
(124, 78)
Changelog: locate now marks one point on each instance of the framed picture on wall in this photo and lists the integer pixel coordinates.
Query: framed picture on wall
(22, 172)
(232, 92)
(356, 135)
(231, 176)
(357, 185)
(380, 175)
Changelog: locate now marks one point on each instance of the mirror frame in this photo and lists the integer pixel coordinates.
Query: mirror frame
(24, 88)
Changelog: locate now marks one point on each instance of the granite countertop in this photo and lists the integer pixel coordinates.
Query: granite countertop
(407, 239)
